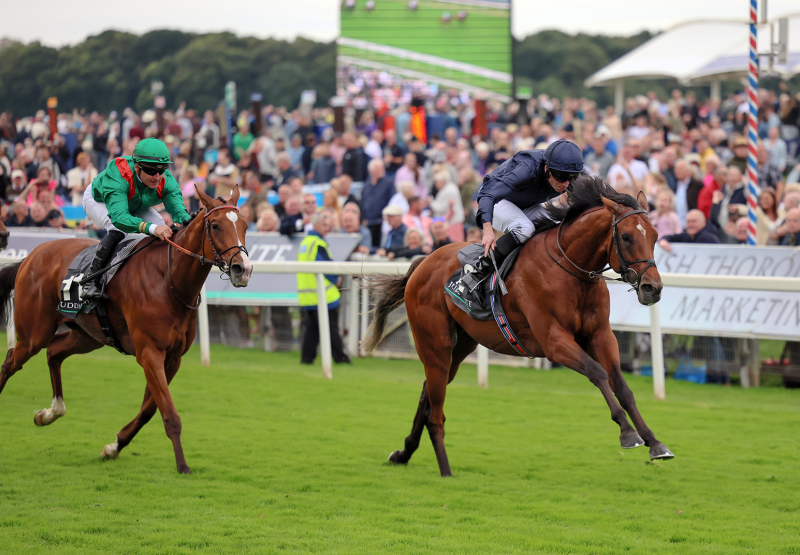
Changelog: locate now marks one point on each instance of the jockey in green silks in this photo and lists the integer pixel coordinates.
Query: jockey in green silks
(121, 197)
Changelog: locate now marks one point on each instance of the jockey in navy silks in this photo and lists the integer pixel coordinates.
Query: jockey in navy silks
(510, 196)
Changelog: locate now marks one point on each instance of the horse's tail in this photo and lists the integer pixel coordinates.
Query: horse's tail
(8, 278)
(390, 293)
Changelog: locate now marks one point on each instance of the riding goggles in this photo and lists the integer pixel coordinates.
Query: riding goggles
(152, 170)
(563, 177)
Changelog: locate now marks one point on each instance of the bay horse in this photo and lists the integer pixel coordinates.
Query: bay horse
(151, 306)
(557, 304)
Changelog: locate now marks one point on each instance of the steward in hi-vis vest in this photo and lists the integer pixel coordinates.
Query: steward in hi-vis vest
(121, 197)
(314, 248)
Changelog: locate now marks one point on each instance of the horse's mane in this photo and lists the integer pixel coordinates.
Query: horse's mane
(585, 193)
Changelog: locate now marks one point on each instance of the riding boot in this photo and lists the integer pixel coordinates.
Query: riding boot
(484, 267)
(91, 289)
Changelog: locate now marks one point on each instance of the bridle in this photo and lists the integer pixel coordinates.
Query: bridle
(217, 262)
(627, 273)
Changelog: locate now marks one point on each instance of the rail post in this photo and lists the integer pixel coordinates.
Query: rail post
(202, 325)
(324, 328)
(657, 352)
(353, 323)
(10, 329)
(483, 367)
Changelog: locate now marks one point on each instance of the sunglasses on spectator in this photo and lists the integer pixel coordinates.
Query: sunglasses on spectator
(562, 177)
(437, 219)
(150, 170)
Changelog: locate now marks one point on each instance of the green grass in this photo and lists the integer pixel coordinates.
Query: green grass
(484, 39)
(287, 462)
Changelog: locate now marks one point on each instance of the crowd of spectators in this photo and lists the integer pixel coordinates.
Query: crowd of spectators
(405, 197)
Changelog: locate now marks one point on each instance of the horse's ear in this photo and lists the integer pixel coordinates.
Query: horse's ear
(204, 198)
(611, 206)
(234, 200)
(641, 198)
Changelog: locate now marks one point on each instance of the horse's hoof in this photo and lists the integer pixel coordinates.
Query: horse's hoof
(395, 458)
(631, 441)
(37, 418)
(110, 451)
(184, 470)
(660, 451)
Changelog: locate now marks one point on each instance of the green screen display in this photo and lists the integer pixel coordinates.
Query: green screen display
(464, 44)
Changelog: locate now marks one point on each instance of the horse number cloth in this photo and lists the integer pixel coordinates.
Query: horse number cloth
(71, 303)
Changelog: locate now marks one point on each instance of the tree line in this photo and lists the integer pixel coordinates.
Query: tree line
(115, 69)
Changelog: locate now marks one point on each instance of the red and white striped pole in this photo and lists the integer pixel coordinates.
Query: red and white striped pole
(752, 126)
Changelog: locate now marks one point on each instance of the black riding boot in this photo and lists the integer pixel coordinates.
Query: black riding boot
(91, 289)
(484, 267)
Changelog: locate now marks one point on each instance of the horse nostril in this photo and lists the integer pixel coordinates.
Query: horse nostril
(237, 269)
(648, 289)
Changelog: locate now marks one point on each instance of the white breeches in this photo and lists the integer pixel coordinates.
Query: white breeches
(509, 218)
(98, 212)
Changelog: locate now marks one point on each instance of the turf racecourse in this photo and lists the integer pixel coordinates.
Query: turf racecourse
(285, 461)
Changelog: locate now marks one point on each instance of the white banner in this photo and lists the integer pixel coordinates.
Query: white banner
(724, 312)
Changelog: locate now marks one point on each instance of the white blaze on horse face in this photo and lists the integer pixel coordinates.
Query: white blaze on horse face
(640, 228)
(248, 267)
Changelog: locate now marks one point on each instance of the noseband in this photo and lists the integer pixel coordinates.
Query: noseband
(628, 274)
(217, 262)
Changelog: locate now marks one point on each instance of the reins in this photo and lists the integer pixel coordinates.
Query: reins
(217, 262)
(596, 275)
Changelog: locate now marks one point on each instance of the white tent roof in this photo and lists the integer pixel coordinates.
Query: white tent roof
(699, 51)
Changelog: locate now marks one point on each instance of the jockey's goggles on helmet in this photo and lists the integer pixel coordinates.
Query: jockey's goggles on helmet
(153, 170)
(563, 177)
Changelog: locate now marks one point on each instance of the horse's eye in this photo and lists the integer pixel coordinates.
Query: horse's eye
(626, 237)
(214, 227)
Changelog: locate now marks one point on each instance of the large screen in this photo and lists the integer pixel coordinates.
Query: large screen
(456, 44)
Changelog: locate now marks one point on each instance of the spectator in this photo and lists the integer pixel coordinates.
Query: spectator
(55, 219)
(447, 204)
(373, 148)
(353, 160)
(599, 161)
(14, 190)
(697, 231)
(284, 192)
(413, 218)
(293, 222)
(687, 190)
(739, 154)
(267, 157)
(242, 141)
(323, 168)
(627, 174)
(414, 244)
(715, 183)
(268, 221)
(768, 217)
(397, 232)
(792, 237)
(469, 184)
(39, 214)
(330, 200)
(768, 174)
(664, 218)
(405, 191)
(378, 190)
(776, 149)
(306, 158)
(19, 216)
(728, 200)
(285, 170)
(308, 209)
(80, 177)
(440, 230)
(351, 223)
(315, 248)
(411, 171)
(207, 137)
(46, 161)
(736, 232)
(343, 186)
(474, 235)
(225, 175)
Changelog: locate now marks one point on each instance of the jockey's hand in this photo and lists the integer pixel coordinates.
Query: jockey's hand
(488, 238)
(163, 232)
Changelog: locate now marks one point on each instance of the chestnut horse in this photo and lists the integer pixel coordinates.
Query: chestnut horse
(3, 235)
(556, 304)
(151, 306)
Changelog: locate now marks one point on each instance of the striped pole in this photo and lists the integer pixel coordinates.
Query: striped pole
(752, 126)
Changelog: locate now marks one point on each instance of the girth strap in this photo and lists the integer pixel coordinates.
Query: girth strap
(502, 321)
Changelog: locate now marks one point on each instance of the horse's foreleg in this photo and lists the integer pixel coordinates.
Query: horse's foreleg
(129, 431)
(73, 342)
(563, 349)
(604, 348)
(152, 360)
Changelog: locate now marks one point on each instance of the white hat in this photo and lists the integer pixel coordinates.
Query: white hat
(601, 130)
(392, 210)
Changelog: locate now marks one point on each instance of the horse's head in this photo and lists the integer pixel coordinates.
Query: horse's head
(226, 230)
(3, 235)
(633, 241)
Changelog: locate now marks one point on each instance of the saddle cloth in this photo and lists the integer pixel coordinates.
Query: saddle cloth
(463, 299)
(71, 303)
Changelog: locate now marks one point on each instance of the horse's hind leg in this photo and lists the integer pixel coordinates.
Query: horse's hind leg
(33, 335)
(420, 421)
(72, 342)
(605, 350)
